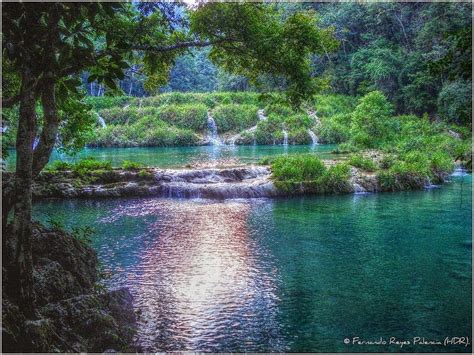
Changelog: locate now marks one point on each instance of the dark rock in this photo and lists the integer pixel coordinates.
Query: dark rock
(69, 315)
(95, 323)
(71, 254)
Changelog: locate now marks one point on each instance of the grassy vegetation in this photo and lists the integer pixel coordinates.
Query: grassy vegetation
(412, 150)
(235, 117)
(174, 119)
(306, 173)
(361, 162)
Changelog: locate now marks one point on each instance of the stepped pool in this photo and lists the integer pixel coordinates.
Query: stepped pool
(292, 274)
(181, 156)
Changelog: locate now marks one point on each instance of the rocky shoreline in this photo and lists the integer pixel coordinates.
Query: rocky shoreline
(72, 314)
(213, 183)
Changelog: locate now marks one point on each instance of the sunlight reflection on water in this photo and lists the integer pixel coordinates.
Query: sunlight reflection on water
(213, 289)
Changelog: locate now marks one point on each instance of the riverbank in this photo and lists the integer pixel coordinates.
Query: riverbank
(221, 183)
(73, 311)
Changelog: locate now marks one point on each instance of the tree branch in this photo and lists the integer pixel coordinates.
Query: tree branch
(179, 45)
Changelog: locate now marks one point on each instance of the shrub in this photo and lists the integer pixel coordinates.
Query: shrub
(235, 117)
(359, 161)
(298, 121)
(345, 148)
(329, 105)
(335, 179)
(89, 164)
(130, 165)
(441, 162)
(189, 116)
(387, 161)
(278, 109)
(370, 120)
(335, 129)
(119, 115)
(145, 175)
(299, 136)
(297, 168)
(103, 102)
(454, 102)
(59, 165)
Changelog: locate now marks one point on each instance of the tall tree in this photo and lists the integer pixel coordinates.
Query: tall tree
(49, 45)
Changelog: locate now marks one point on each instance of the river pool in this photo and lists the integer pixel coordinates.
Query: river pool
(181, 156)
(289, 274)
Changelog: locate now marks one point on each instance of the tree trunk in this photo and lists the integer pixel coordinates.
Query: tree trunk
(50, 129)
(21, 274)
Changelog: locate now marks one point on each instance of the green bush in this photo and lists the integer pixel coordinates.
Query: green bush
(297, 168)
(119, 115)
(454, 102)
(89, 164)
(359, 161)
(145, 175)
(147, 131)
(278, 109)
(130, 165)
(235, 117)
(330, 105)
(210, 100)
(371, 120)
(387, 161)
(298, 121)
(103, 102)
(59, 165)
(441, 162)
(270, 130)
(345, 148)
(335, 129)
(189, 116)
(299, 136)
(335, 179)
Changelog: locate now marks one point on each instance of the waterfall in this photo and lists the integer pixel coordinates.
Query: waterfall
(358, 189)
(313, 136)
(261, 115)
(459, 171)
(285, 137)
(312, 114)
(428, 184)
(35, 142)
(140, 103)
(211, 124)
(101, 121)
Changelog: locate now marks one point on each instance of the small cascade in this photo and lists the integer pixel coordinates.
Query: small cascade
(126, 106)
(211, 124)
(35, 142)
(261, 115)
(358, 189)
(140, 103)
(459, 171)
(313, 136)
(4, 129)
(285, 137)
(314, 117)
(428, 184)
(101, 121)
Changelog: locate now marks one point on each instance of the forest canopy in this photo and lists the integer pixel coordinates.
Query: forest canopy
(417, 54)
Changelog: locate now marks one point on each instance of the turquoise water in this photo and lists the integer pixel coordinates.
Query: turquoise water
(180, 156)
(296, 275)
